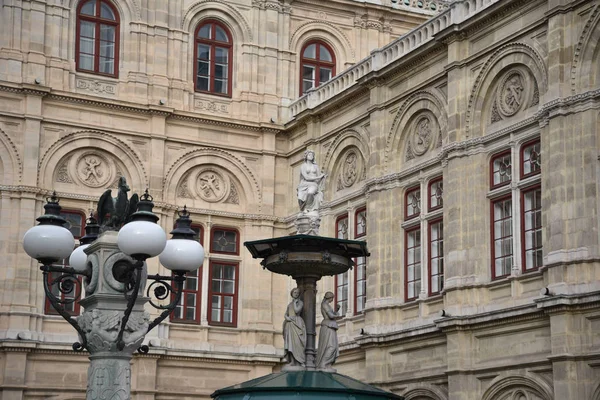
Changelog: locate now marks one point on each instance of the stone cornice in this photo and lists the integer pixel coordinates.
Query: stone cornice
(553, 304)
(494, 318)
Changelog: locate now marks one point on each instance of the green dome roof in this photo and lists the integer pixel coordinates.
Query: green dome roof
(303, 385)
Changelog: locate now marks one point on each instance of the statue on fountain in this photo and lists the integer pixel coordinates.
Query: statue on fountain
(294, 333)
(328, 350)
(310, 195)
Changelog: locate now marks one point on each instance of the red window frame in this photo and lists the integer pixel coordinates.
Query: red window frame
(439, 258)
(494, 158)
(316, 62)
(212, 293)
(522, 157)
(493, 234)
(213, 43)
(407, 265)
(538, 245)
(197, 292)
(225, 229)
(356, 233)
(406, 195)
(343, 303)
(430, 194)
(48, 309)
(97, 20)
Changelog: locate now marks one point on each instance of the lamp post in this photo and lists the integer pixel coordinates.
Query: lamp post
(112, 263)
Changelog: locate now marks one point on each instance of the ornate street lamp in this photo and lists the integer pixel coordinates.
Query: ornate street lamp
(111, 258)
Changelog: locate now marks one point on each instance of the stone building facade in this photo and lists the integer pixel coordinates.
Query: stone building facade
(461, 140)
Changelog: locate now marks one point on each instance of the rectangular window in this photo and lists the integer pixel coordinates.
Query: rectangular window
(360, 284)
(502, 237)
(188, 309)
(360, 223)
(412, 203)
(436, 190)
(501, 173)
(224, 241)
(412, 270)
(341, 280)
(223, 293)
(436, 257)
(532, 228)
(531, 159)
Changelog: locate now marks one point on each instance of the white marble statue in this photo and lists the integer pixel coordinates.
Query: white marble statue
(294, 332)
(310, 188)
(328, 350)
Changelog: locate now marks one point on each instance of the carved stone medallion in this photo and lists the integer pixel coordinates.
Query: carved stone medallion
(422, 136)
(350, 169)
(212, 185)
(93, 169)
(516, 91)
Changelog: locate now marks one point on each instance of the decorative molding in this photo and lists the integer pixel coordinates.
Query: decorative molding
(234, 197)
(234, 13)
(518, 387)
(592, 22)
(211, 106)
(95, 86)
(62, 172)
(334, 30)
(12, 151)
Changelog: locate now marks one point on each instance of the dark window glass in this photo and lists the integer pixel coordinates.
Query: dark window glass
(97, 38)
(213, 66)
(317, 65)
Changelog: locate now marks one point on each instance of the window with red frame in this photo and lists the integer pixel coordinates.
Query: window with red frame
(360, 268)
(222, 293)
(188, 309)
(501, 169)
(532, 228)
(97, 42)
(76, 225)
(436, 257)
(531, 159)
(224, 241)
(412, 263)
(412, 203)
(318, 65)
(342, 280)
(213, 53)
(436, 191)
(502, 237)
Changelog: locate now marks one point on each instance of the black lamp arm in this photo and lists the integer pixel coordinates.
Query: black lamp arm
(57, 303)
(138, 266)
(162, 290)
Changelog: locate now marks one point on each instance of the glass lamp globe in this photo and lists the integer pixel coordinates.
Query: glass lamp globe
(78, 259)
(182, 255)
(48, 243)
(142, 238)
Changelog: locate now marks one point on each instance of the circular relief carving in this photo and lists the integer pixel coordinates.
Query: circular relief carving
(93, 169)
(212, 185)
(512, 93)
(422, 136)
(350, 169)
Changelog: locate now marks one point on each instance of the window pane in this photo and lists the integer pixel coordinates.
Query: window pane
(106, 12)
(107, 33)
(229, 272)
(216, 285)
(190, 313)
(221, 55)
(74, 223)
(228, 316)
(107, 65)
(532, 158)
(203, 52)
(413, 203)
(202, 84)
(220, 34)
(308, 73)
(324, 54)
(191, 283)
(221, 72)
(502, 169)
(532, 228)
(502, 236)
(306, 85)
(361, 223)
(86, 47)
(220, 85)
(412, 264)
(107, 50)
(310, 51)
(87, 29)
(342, 228)
(203, 68)
(436, 190)
(89, 8)
(190, 300)
(86, 62)
(324, 75)
(228, 302)
(224, 241)
(204, 31)
(215, 315)
(228, 287)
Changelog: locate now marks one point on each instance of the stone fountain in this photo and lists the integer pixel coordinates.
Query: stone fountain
(307, 257)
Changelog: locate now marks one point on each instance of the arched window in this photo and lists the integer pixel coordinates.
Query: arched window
(97, 44)
(318, 65)
(213, 55)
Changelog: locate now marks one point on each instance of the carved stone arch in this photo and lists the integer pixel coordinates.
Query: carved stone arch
(349, 155)
(424, 392)
(327, 32)
(12, 166)
(513, 54)
(586, 58)
(222, 11)
(507, 387)
(129, 10)
(419, 103)
(222, 162)
(93, 140)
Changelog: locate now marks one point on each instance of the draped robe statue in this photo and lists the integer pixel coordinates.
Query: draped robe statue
(294, 332)
(328, 350)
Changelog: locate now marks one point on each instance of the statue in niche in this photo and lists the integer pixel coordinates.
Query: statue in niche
(328, 350)
(113, 213)
(310, 188)
(294, 332)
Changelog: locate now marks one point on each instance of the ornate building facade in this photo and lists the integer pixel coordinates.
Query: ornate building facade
(461, 140)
